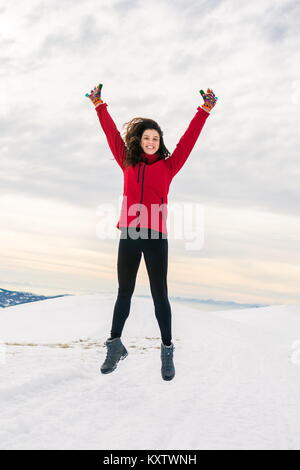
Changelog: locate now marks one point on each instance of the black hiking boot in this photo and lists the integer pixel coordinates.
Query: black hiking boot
(115, 351)
(167, 365)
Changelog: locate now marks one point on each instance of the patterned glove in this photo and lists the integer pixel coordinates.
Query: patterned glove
(209, 99)
(95, 95)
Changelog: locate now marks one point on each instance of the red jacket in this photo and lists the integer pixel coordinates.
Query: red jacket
(146, 186)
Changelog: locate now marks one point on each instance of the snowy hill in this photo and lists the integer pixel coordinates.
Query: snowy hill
(11, 297)
(236, 385)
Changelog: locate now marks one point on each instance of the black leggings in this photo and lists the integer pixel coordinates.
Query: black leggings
(156, 259)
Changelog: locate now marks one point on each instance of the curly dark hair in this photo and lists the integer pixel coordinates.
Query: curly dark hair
(133, 133)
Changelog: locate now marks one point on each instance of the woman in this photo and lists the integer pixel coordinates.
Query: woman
(148, 169)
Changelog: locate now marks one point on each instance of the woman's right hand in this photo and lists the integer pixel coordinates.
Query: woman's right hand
(95, 95)
(210, 99)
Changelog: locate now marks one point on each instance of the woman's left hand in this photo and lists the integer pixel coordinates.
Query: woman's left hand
(95, 95)
(209, 99)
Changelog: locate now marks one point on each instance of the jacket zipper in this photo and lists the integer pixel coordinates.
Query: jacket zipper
(142, 190)
(139, 173)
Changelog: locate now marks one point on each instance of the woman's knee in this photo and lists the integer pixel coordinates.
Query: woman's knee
(160, 295)
(125, 292)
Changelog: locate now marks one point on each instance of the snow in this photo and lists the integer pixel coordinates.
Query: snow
(236, 385)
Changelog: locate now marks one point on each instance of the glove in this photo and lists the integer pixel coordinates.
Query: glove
(95, 95)
(209, 99)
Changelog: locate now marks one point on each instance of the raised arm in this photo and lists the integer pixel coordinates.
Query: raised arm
(187, 142)
(189, 138)
(114, 139)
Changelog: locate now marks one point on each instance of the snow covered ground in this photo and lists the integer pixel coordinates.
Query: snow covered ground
(236, 386)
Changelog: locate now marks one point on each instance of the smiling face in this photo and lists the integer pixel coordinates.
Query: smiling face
(150, 141)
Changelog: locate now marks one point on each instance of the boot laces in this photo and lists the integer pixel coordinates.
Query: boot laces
(108, 348)
(168, 357)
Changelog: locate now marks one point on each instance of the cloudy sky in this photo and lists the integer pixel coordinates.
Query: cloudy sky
(152, 58)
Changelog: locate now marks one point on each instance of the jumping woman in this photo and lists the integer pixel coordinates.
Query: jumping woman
(148, 169)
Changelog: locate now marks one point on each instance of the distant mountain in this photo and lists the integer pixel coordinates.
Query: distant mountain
(217, 303)
(10, 297)
(222, 303)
